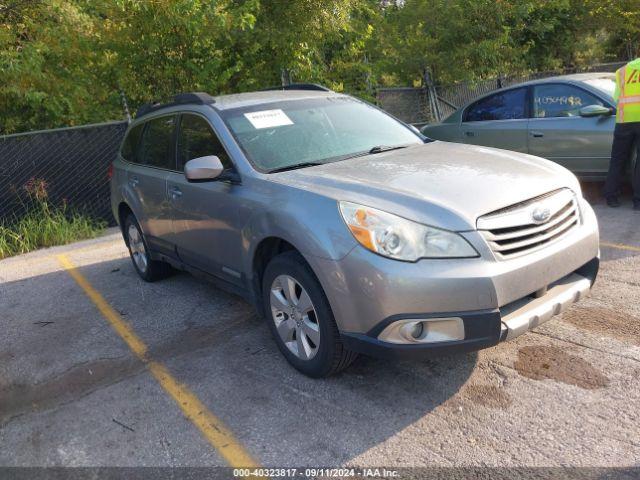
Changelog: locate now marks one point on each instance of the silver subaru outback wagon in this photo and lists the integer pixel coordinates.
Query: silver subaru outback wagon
(349, 231)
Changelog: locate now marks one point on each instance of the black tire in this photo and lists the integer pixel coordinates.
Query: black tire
(155, 269)
(331, 356)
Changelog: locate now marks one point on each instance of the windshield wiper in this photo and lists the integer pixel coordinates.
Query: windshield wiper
(384, 148)
(374, 150)
(371, 151)
(295, 166)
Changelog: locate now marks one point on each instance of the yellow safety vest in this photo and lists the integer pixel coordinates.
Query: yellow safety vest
(628, 85)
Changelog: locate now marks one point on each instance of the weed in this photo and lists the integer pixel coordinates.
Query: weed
(45, 225)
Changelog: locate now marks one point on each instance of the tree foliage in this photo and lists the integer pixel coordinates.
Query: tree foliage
(66, 62)
(46, 65)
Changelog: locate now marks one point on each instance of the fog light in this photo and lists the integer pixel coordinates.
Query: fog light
(412, 331)
(424, 330)
(418, 329)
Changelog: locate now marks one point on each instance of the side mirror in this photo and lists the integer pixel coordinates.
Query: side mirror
(595, 111)
(203, 168)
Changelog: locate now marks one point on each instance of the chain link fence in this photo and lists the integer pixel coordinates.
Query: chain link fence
(72, 162)
(411, 105)
(433, 103)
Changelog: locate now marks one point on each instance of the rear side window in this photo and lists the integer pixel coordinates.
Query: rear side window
(197, 139)
(129, 149)
(561, 101)
(157, 143)
(509, 105)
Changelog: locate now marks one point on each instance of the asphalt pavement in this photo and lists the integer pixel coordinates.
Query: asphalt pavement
(98, 368)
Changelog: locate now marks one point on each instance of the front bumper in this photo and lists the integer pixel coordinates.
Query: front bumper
(484, 329)
(367, 292)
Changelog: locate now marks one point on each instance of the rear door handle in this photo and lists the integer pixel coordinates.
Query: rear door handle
(469, 134)
(175, 192)
(537, 134)
(134, 182)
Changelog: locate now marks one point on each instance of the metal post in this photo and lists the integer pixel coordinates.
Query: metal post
(285, 76)
(432, 93)
(125, 105)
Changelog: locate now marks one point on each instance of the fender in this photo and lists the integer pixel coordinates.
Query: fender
(316, 236)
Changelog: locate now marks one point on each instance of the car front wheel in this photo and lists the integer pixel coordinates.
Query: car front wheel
(300, 318)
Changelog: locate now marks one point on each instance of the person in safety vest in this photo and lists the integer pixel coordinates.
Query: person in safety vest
(626, 135)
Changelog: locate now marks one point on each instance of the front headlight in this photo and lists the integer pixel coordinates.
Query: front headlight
(399, 238)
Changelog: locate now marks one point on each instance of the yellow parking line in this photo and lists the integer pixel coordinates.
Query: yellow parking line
(95, 247)
(620, 246)
(216, 433)
(92, 248)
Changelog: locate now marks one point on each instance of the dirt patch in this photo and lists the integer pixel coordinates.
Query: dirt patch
(541, 362)
(488, 396)
(85, 378)
(197, 338)
(76, 382)
(605, 321)
(5, 357)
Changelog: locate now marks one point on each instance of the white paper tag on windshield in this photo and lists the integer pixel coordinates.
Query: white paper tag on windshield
(268, 118)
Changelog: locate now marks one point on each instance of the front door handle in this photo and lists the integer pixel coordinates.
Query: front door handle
(537, 134)
(175, 192)
(469, 134)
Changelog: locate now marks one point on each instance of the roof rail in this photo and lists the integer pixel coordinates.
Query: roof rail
(300, 86)
(199, 98)
(193, 98)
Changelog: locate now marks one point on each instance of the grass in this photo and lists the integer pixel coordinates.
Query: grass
(46, 226)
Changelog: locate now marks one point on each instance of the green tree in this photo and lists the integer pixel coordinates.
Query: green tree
(47, 66)
(548, 33)
(619, 24)
(65, 62)
(155, 49)
(460, 40)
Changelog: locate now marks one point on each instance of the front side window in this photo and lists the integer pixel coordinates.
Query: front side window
(157, 141)
(558, 100)
(197, 139)
(509, 105)
(319, 130)
(130, 145)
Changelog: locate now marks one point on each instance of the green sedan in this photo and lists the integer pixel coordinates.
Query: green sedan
(568, 119)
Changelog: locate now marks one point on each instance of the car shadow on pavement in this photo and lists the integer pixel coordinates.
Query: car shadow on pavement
(215, 343)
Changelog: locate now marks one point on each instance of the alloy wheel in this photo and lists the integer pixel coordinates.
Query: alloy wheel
(137, 248)
(295, 317)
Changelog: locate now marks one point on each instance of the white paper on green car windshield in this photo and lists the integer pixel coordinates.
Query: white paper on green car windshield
(268, 118)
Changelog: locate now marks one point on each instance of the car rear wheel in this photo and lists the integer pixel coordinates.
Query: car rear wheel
(300, 318)
(149, 270)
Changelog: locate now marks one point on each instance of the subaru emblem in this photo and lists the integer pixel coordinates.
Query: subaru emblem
(540, 214)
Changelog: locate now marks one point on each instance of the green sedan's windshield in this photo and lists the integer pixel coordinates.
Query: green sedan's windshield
(278, 135)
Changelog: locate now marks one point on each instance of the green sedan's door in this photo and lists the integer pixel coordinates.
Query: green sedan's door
(499, 120)
(559, 133)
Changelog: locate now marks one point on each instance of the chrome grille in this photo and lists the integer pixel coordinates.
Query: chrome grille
(530, 225)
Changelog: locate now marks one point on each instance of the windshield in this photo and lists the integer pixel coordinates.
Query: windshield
(281, 134)
(606, 84)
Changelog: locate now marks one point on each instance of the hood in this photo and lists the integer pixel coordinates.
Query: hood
(635, 64)
(446, 185)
